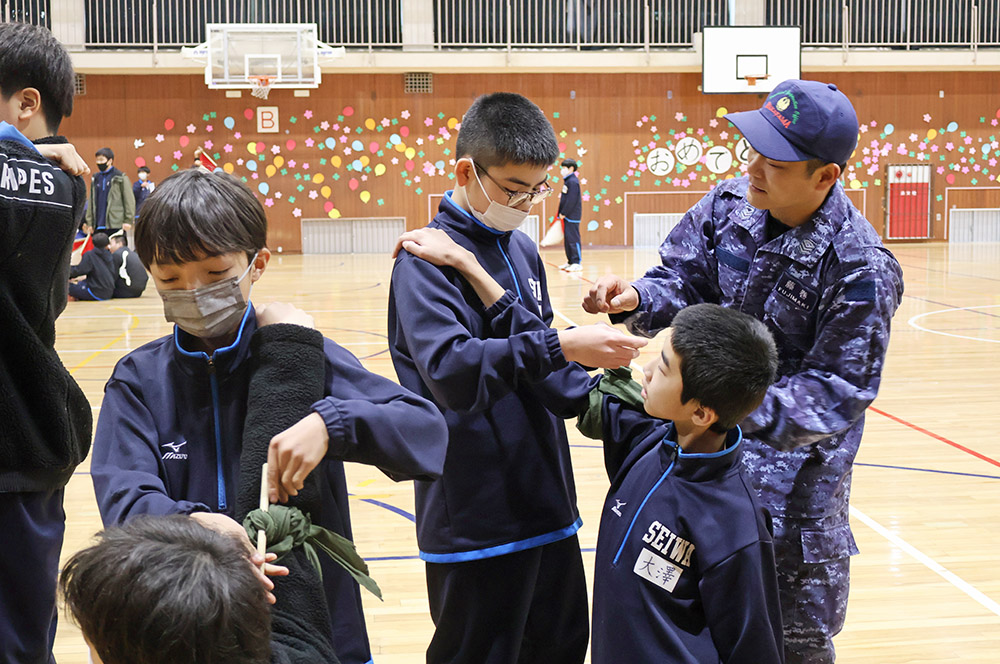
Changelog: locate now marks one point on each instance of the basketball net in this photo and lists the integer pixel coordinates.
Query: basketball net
(260, 86)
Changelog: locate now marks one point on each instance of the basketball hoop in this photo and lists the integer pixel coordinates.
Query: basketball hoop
(260, 86)
(752, 80)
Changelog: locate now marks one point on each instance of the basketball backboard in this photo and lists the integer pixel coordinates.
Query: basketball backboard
(749, 59)
(288, 53)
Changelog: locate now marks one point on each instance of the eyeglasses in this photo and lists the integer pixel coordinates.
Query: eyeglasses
(518, 198)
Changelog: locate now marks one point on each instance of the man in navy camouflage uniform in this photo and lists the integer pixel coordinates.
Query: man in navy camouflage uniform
(785, 245)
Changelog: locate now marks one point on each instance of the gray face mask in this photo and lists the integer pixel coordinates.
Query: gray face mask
(209, 312)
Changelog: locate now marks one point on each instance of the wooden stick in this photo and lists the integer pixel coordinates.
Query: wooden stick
(261, 535)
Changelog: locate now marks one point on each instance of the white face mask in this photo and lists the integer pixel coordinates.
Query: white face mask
(143, 176)
(565, 172)
(208, 312)
(497, 216)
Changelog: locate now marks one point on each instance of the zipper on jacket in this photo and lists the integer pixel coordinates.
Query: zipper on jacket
(510, 267)
(221, 480)
(673, 460)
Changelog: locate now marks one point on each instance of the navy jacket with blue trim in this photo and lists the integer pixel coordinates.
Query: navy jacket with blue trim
(684, 570)
(508, 481)
(170, 432)
(570, 202)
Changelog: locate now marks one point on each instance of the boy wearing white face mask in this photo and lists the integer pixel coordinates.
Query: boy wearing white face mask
(169, 437)
(504, 572)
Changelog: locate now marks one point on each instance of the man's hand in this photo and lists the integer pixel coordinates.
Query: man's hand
(282, 312)
(600, 346)
(262, 566)
(434, 246)
(66, 156)
(293, 454)
(611, 295)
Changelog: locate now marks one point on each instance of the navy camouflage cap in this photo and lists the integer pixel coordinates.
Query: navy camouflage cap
(802, 120)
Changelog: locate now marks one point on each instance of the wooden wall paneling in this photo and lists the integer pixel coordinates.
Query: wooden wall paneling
(600, 119)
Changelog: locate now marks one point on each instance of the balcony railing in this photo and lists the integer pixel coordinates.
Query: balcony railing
(532, 24)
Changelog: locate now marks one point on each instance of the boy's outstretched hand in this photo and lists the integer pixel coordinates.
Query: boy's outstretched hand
(600, 346)
(66, 156)
(293, 454)
(434, 246)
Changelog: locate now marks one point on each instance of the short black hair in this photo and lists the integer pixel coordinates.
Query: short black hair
(120, 236)
(813, 165)
(194, 215)
(728, 360)
(506, 128)
(570, 163)
(143, 169)
(165, 589)
(106, 153)
(100, 240)
(30, 57)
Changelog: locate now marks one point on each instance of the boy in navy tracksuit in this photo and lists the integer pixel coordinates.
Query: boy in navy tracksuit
(685, 566)
(168, 439)
(684, 570)
(46, 420)
(498, 531)
(571, 211)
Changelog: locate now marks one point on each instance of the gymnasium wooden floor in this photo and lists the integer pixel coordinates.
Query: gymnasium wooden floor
(925, 513)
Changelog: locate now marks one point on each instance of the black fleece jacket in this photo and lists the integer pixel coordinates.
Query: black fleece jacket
(289, 375)
(46, 420)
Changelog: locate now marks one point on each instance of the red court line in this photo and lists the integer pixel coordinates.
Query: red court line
(935, 436)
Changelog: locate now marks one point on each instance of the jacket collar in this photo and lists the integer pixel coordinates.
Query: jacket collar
(452, 215)
(9, 132)
(700, 467)
(226, 360)
(807, 243)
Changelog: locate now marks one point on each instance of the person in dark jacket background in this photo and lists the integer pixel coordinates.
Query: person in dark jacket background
(46, 417)
(112, 205)
(130, 274)
(98, 271)
(571, 211)
(142, 188)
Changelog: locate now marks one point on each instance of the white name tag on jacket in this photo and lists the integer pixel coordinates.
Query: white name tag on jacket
(657, 569)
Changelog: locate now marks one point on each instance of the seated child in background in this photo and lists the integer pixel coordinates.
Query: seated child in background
(684, 569)
(167, 590)
(98, 272)
(130, 275)
(170, 434)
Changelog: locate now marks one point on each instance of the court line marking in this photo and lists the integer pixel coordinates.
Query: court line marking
(927, 561)
(912, 322)
(900, 543)
(132, 325)
(935, 436)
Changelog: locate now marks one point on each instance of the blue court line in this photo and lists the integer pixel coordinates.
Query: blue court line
(879, 465)
(948, 272)
(392, 508)
(929, 470)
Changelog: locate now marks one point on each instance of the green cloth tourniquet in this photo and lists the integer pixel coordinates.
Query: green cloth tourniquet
(617, 383)
(288, 527)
